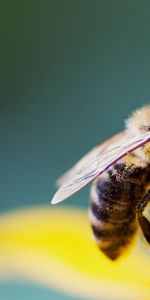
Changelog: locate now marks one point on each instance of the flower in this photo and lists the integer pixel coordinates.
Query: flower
(54, 247)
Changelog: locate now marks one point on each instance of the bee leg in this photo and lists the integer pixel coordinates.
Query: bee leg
(144, 223)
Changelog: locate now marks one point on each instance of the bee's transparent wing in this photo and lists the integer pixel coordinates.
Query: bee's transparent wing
(96, 162)
(82, 163)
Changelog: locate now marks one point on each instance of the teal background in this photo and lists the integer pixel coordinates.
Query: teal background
(70, 72)
(19, 290)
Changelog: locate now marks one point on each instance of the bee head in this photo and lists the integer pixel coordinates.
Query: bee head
(139, 122)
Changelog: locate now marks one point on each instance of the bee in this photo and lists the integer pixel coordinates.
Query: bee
(120, 171)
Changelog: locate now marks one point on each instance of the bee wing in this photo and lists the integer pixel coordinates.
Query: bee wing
(96, 162)
(82, 163)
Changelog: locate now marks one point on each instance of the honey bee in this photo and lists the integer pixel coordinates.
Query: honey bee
(120, 171)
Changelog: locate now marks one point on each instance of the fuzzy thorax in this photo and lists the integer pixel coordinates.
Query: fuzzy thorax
(139, 122)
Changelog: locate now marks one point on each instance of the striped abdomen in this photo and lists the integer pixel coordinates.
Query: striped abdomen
(113, 210)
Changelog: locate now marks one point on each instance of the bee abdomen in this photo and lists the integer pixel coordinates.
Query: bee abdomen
(112, 234)
(113, 213)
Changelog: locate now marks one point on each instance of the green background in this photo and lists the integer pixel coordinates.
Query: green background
(70, 73)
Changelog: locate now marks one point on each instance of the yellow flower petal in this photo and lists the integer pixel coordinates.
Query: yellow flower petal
(54, 246)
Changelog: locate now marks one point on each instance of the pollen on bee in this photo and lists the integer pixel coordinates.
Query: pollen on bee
(147, 150)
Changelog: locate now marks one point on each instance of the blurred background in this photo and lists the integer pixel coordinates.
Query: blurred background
(70, 73)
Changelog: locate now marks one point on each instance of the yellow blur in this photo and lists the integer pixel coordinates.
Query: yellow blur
(54, 247)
